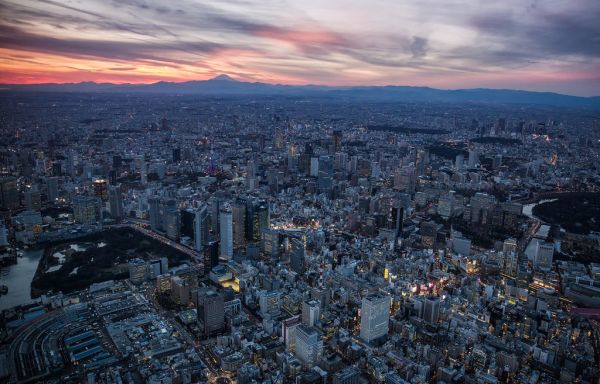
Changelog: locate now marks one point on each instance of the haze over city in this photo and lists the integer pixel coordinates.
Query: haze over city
(532, 45)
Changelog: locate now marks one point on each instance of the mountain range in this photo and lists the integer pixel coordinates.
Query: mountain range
(224, 85)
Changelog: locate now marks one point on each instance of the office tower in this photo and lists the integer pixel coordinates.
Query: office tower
(101, 189)
(348, 375)
(86, 209)
(461, 245)
(257, 219)
(180, 290)
(395, 217)
(211, 311)
(314, 167)
(288, 331)
(325, 177)
(509, 246)
(171, 220)
(459, 161)
(143, 171)
(544, 254)
(311, 312)
(176, 155)
(32, 199)
(211, 255)
(9, 194)
(481, 204)
(138, 271)
(337, 141)
(431, 310)
(270, 243)
(200, 227)
(297, 256)
(158, 267)
(405, 179)
(155, 213)
(238, 213)
(374, 316)
(473, 158)
(270, 303)
(226, 232)
(163, 283)
(52, 186)
(3, 234)
(309, 345)
(115, 201)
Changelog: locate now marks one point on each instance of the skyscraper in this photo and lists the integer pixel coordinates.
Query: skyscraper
(211, 311)
(431, 310)
(155, 213)
(297, 256)
(115, 200)
(86, 209)
(52, 186)
(238, 212)
(325, 177)
(309, 345)
(171, 221)
(101, 189)
(200, 227)
(9, 194)
(374, 316)
(226, 232)
(311, 312)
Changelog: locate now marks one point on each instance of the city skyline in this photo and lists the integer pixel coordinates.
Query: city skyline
(550, 46)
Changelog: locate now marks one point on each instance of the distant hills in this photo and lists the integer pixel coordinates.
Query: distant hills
(224, 85)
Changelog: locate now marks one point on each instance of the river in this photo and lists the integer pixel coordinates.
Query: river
(18, 278)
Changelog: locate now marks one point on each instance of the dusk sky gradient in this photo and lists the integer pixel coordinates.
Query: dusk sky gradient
(533, 45)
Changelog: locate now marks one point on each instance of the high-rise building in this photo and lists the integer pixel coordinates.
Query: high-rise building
(337, 141)
(374, 316)
(431, 310)
(211, 311)
(9, 194)
(138, 271)
(288, 331)
(270, 303)
(211, 255)
(115, 200)
(309, 345)
(101, 189)
(155, 214)
(86, 209)
(311, 312)
(257, 219)
(3, 234)
(297, 256)
(270, 243)
(143, 171)
(473, 158)
(405, 179)
(509, 246)
(52, 186)
(200, 227)
(325, 177)
(238, 213)
(226, 232)
(32, 199)
(544, 254)
(171, 220)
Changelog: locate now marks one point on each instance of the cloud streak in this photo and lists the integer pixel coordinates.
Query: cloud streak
(455, 44)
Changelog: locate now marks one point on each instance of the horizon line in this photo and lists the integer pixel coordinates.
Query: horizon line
(229, 78)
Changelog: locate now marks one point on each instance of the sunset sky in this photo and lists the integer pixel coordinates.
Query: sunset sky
(535, 45)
